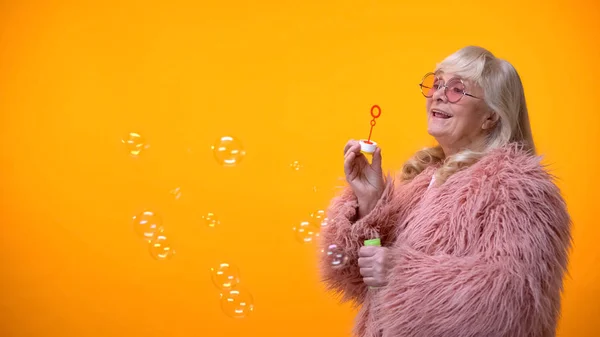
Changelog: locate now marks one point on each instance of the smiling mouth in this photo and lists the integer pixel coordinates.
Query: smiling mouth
(440, 114)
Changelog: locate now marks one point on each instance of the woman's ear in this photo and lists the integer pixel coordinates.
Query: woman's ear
(490, 121)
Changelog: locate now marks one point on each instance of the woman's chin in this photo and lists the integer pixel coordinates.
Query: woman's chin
(434, 132)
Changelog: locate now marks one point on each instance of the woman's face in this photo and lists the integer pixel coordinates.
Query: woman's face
(457, 125)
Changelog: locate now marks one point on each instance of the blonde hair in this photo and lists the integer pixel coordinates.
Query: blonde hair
(503, 93)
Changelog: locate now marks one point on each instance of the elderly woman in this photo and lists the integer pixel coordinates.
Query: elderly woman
(474, 235)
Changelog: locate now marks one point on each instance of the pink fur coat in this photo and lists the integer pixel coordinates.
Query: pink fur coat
(482, 255)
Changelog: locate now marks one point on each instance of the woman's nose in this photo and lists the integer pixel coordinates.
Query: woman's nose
(440, 94)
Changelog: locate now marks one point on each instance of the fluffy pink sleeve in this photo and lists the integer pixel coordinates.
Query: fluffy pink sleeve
(510, 287)
(348, 234)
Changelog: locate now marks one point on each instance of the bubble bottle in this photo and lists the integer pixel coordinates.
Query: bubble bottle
(373, 242)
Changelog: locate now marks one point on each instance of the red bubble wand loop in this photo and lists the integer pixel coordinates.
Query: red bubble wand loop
(367, 145)
(373, 122)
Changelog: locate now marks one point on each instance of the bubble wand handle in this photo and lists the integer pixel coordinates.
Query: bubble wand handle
(371, 131)
(375, 116)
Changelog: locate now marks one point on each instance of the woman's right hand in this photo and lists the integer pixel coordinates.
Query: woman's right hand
(366, 180)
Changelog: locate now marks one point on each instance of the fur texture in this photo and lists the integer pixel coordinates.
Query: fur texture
(484, 254)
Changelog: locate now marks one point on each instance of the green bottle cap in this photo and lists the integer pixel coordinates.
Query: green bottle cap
(373, 242)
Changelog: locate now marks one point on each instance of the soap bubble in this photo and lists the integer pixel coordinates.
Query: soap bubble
(176, 193)
(211, 220)
(160, 247)
(147, 224)
(225, 276)
(307, 231)
(135, 143)
(228, 151)
(295, 165)
(334, 256)
(341, 184)
(328, 222)
(237, 302)
(320, 218)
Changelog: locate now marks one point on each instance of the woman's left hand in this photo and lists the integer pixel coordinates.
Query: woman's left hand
(374, 263)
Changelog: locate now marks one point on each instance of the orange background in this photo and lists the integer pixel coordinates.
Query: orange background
(293, 80)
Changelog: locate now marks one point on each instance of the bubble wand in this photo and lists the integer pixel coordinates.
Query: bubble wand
(367, 146)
